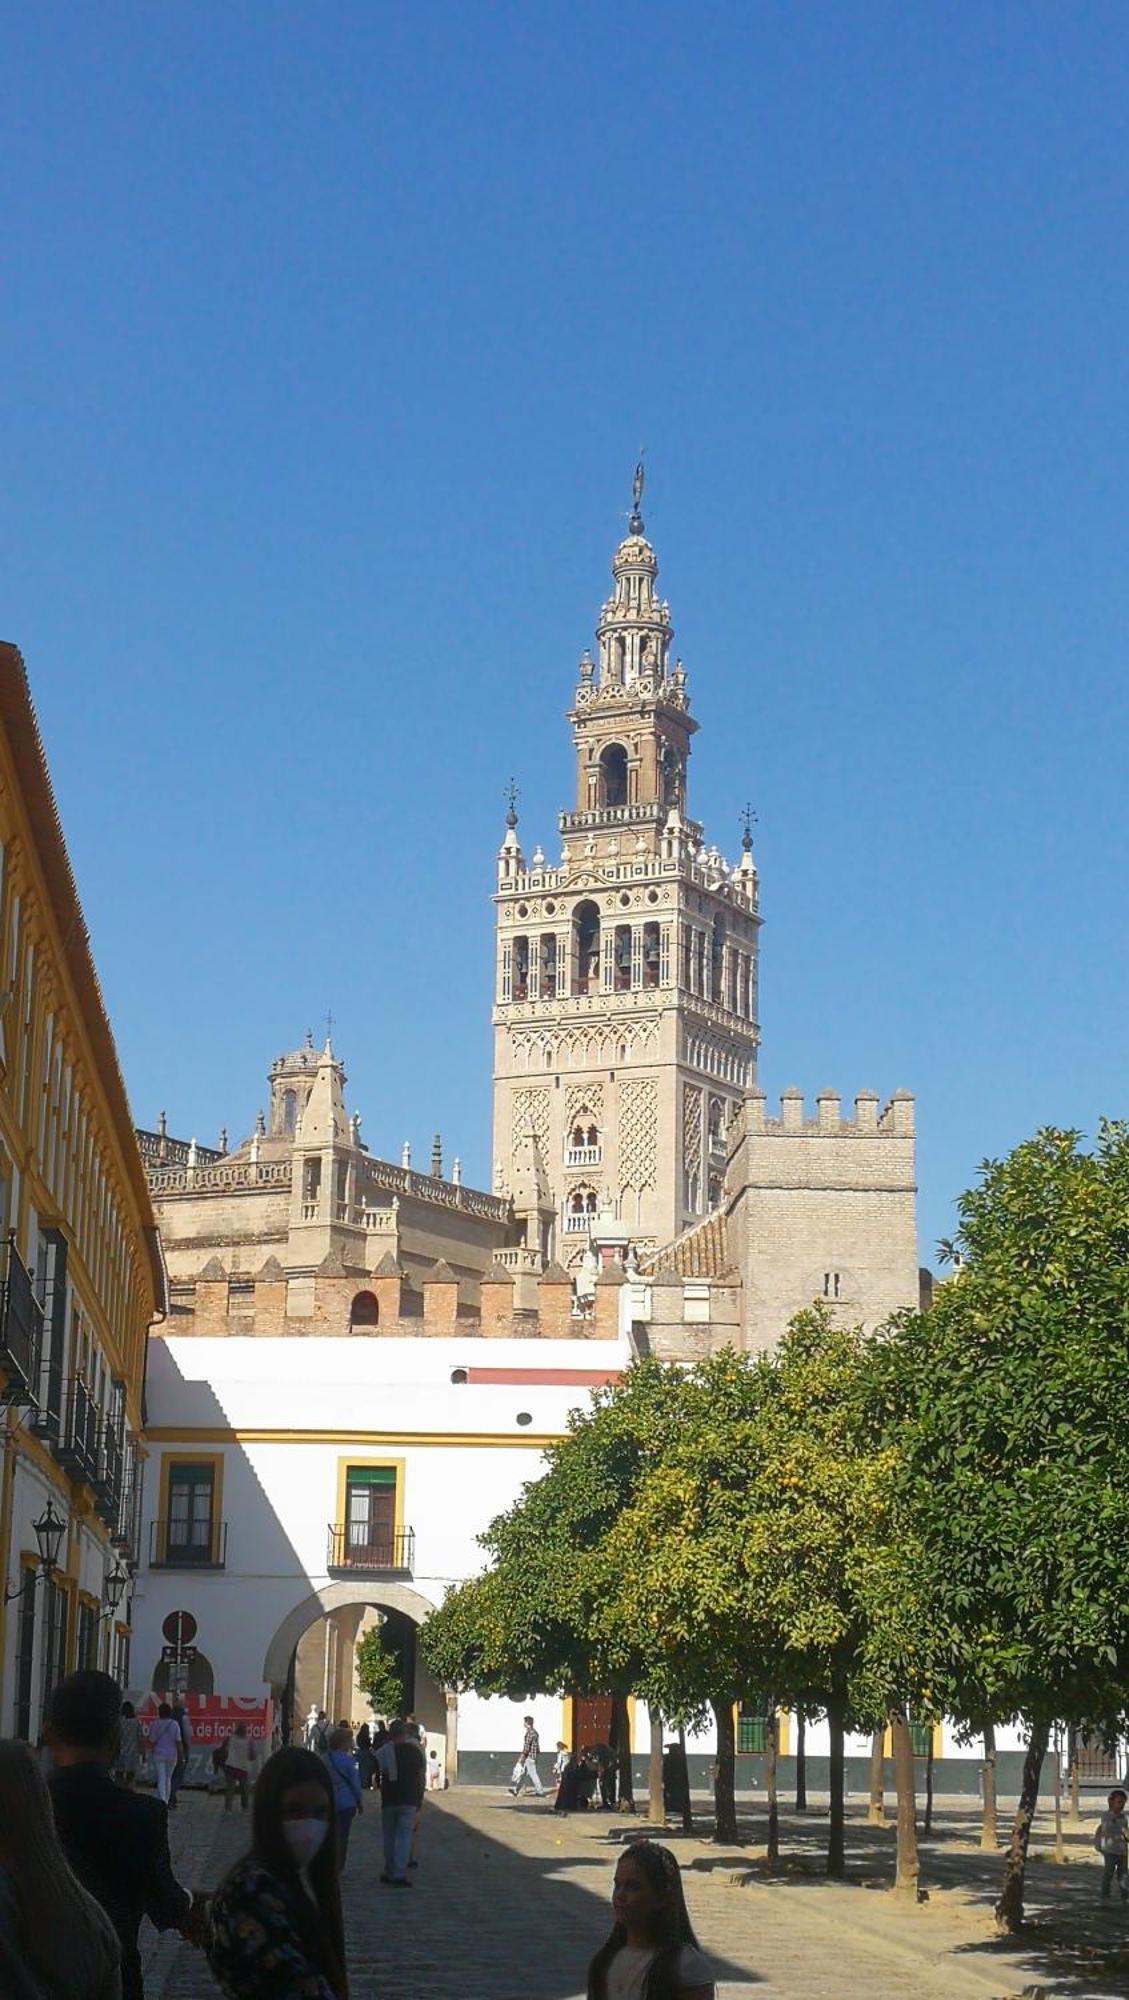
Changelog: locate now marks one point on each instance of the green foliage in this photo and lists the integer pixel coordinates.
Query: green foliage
(378, 1673)
(1012, 1399)
(932, 1518)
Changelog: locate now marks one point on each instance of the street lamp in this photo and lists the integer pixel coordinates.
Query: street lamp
(113, 1588)
(48, 1531)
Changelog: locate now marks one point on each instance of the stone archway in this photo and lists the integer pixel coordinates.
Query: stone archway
(383, 1595)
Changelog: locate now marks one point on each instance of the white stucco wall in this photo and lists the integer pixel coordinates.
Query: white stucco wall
(463, 1453)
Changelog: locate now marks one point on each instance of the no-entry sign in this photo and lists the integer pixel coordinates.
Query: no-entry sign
(179, 1628)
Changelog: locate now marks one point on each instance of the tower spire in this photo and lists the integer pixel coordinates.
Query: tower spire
(635, 518)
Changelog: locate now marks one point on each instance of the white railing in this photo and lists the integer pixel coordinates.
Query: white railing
(576, 1224)
(583, 1156)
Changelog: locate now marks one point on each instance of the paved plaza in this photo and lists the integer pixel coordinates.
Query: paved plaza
(509, 1903)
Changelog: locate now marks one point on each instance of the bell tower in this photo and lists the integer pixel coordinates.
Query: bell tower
(625, 1016)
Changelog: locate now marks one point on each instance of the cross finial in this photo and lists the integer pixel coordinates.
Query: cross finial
(329, 1024)
(635, 519)
(511, 795)
(748, 820)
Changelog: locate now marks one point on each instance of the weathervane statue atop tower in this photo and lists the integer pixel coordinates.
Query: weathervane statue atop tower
(635, 521)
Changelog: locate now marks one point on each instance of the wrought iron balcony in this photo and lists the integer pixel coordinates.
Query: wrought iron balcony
(392, 1554)
(78, 1444)
(108, 1477)
(21, 1327)
(187, 1545)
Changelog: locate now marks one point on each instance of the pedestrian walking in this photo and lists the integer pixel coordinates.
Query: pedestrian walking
(560, 1762)
(116, 1841)
(1112, 1842)
(366, 1760)
(127, 1761)
(183, 1746)
(164, 1748)
(525, 1770)
(652, 1953)
(276, 1919)
(342, 1766)
(56, 1942)
(317, 1732)
(238, 1767)
(402, 1778)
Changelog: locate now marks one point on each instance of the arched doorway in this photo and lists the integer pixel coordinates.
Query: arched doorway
(300, 1676)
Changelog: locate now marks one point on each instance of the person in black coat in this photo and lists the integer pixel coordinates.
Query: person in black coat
(116, 1841)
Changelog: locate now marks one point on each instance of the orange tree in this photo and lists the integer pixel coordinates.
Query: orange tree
(1011, 1399)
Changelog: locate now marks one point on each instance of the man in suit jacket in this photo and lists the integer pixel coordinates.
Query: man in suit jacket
(116, 1841)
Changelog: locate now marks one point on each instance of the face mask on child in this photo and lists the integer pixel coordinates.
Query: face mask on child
(304, 1838)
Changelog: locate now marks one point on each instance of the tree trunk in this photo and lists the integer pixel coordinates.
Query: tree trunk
(687, 1806)
(907, 1870)
(724, 1802)
(836, 1769)
(656, 1804)
(1056, 1770)
(801, 1761)
(1009, 1909)
(621, 1743)
(876, 1810)
(772, 1750)
(988, 1827)
(927, 1824)
(1075, 1814)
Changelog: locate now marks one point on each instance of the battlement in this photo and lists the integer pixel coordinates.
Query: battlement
(894, 1121)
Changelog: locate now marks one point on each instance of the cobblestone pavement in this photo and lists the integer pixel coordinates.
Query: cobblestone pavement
(509, 1903)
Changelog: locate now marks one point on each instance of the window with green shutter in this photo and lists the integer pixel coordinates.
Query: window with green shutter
(752, 1731)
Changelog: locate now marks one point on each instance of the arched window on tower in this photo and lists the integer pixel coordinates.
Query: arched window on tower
(521, 968)
(651, 954)
(364, 1311)
(613, 775)
(289, 1112)
(586, 930)
(717, 957)
(623, 958)
(547, 957)
(583, 1148)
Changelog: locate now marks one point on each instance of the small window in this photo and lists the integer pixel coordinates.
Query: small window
(459, 1375)
(370, 1516)
(189, 1528)
(524, 1417)
(365, 1310)
(752, 1731)
(832, 1285)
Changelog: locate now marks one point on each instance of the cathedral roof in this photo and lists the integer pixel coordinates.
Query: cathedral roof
(702, 1251)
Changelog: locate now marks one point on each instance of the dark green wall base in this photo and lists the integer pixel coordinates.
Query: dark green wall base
(953, 1777)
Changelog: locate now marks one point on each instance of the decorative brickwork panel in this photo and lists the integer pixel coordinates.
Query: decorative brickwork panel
(584, 1099)
(531, 1108)
(692, 1129)
(638, 1132)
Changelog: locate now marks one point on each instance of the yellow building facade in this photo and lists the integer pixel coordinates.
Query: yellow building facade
(81, 1272)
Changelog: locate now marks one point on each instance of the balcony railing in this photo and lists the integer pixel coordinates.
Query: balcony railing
(395, 1552)
(126, 1532)
(187, 1545)
(575, 1225)
(78, 1449)
(108, 1478)
(21, 1327)
(583, 1156)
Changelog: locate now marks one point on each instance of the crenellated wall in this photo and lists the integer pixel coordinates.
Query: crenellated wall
(822, 1206)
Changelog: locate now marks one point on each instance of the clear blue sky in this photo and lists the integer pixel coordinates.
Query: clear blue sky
(329, 337)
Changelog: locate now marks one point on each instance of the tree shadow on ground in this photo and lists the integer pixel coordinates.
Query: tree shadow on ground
(485, 1920)
(1071, 1943)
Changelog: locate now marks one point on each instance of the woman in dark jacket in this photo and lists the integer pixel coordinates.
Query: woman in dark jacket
(276, 1922)
(366, 1757)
